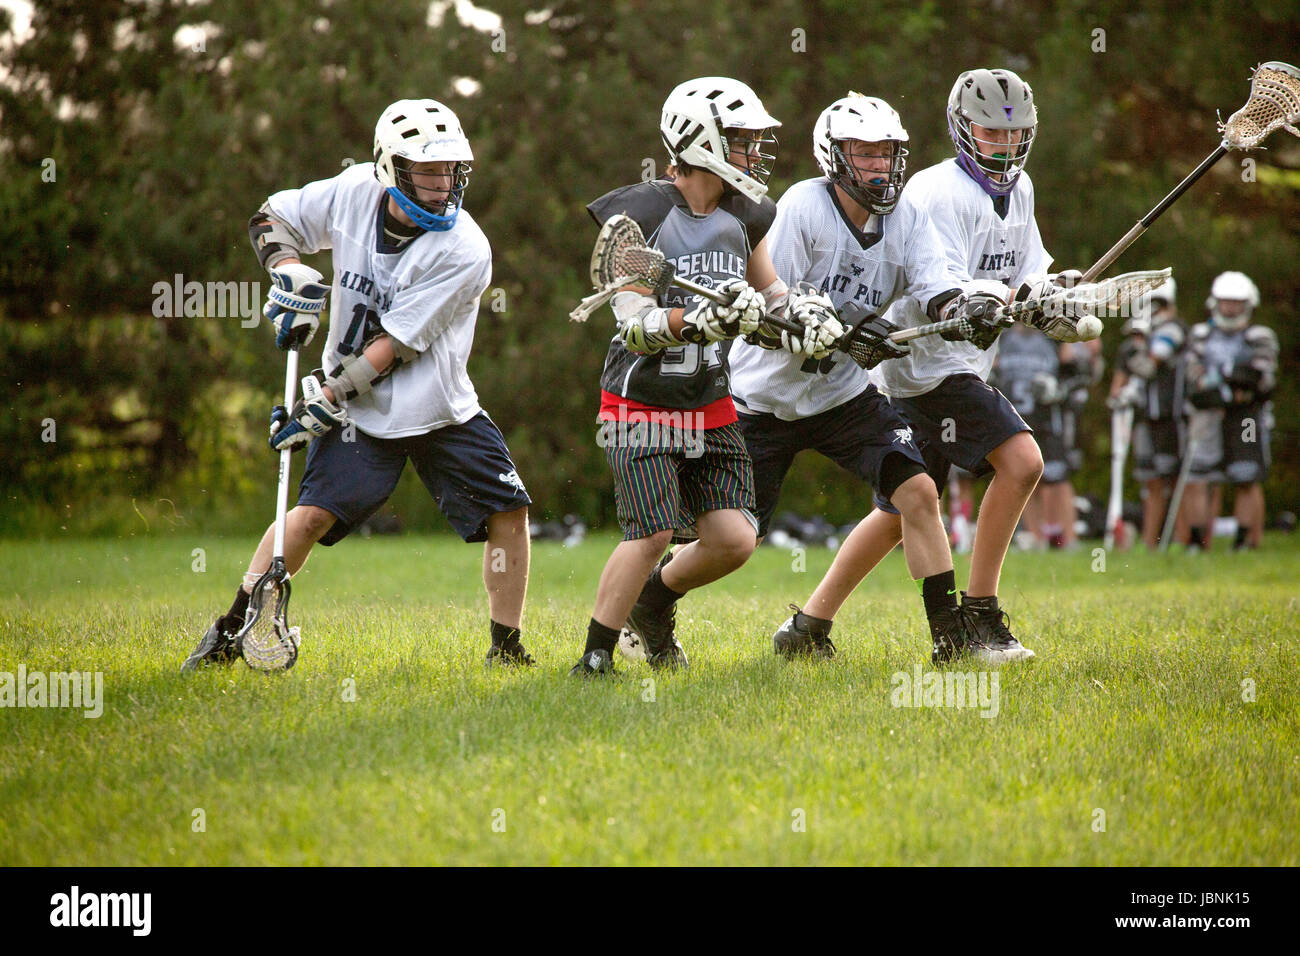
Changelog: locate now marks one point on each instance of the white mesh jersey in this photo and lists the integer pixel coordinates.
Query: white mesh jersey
(979, 244)
(812, 241)
(424, 294)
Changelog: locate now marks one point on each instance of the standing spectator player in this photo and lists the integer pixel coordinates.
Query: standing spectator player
(849, 240)
(409, 267)
(1150, 375)
(687, 469)
(1231, 370)
(982, 204)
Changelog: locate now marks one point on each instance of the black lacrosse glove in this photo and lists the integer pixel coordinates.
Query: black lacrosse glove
(868, 342)
(980, 324)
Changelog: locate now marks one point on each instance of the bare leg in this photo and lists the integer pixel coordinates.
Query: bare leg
(874, 537)
(1153, 512)
(624, 576)
(1196, 506)
(505, 565)
(1250, 512)
(1216, 509)
(304, 525)
(725, 543)
(1017, 466)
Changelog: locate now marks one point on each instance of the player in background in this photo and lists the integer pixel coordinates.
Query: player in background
(848, 239)
(982, 206)
(410, 264)
(1150, 372)
(684, 469)
(1231, 371)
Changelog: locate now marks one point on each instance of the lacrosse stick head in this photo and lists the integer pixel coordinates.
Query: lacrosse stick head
(1274, 102)
(621, 257)
(266, 641)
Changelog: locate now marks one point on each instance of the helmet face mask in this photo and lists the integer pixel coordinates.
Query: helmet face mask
(720, 125)
(877, 191)
(411, 133)
(992, 100)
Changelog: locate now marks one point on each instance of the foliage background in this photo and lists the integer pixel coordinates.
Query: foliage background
(168, 123)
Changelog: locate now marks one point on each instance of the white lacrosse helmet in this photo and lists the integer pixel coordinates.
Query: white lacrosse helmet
(1232, 287)
(422, 131)
(696, 118)
(994, 99)
(869, 120)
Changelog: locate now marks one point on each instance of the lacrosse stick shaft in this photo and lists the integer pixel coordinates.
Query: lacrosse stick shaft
(1141, 226)
(1176, 499)
(282, 490)
(776, 321)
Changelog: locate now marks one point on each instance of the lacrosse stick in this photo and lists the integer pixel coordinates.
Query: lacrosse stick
(1108, 297)
(266, 641)
(1274, 103)
(621, 258)
(1199, 425)
(1121, 435)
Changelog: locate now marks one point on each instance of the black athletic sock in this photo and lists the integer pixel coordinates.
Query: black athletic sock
(239, 608)
(817, 626)
(600, 638)
(939, 592)
(656, 596)
(1196, 537)
(502, 635)
(980, 605)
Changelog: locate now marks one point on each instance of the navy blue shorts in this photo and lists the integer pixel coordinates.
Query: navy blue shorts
(858, 436)
(467, 469)
(958, 422)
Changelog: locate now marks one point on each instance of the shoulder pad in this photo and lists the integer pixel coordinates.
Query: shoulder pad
(646, 203)
(757, 217)
(1261, 336)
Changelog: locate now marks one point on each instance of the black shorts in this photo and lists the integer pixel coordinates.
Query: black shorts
(467, 469)
(958, 422)
(857, 435)
(1235, 449)
(1053, 427)
(666, 477)
(1157, 448)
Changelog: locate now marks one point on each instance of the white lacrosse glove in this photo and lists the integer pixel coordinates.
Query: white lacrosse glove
(642, 326)
(293, 305)
(711, 322)
(822, 328)
(1063, 321)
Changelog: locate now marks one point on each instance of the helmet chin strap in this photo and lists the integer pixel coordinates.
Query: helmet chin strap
(426, 220)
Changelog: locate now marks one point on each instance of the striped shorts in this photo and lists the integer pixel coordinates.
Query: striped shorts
(665, 479)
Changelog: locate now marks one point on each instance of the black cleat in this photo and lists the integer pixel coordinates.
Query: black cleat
(798, 637)
(595, 663)
(990, 637)
(950, 633)
(509, 654)
(217, 646)
(655, 632)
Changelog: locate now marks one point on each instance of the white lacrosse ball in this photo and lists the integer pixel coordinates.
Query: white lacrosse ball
(631, 646)
(1089, 327)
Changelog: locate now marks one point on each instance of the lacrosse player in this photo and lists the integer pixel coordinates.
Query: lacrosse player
(982, 206)
(1232, 368)
(409, 267)
(848, 245)
(1047, 383)
(1150, 376)
(684, 462)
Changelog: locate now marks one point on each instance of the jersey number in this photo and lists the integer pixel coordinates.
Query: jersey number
(366, 323)
(818, 366)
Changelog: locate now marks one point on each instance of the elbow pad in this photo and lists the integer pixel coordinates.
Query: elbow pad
(273, 240)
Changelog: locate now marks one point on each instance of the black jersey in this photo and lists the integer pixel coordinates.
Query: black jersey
(709, 250)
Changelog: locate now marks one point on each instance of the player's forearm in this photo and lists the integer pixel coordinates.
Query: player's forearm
(380, 353)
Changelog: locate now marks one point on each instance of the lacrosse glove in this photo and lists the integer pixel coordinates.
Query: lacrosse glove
(313, 415)
(294, 303)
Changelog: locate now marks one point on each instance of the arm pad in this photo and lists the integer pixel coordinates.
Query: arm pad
(273, 240)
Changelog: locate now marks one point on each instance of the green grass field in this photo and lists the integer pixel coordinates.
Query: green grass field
(1138, 707)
